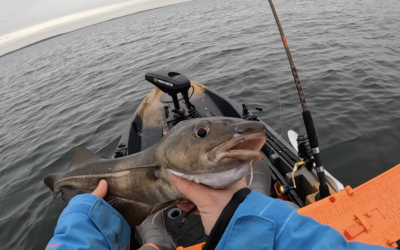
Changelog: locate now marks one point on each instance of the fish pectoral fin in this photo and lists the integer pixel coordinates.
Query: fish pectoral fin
(133, 212)
(82, 157)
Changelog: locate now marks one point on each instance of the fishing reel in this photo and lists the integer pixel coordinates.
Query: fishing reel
(305, 152)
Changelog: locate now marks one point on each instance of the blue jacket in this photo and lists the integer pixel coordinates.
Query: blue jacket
(89, 222)
(259, 222)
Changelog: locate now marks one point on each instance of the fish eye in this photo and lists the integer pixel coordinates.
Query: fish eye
(201, 133)
(202, 129)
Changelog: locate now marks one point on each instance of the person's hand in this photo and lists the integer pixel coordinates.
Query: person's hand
(101, 190)
(210, 202)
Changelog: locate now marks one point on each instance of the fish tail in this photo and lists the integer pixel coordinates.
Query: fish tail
(54, 197)
(49, 181)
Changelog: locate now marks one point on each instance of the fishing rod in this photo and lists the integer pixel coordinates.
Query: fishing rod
(308, 122)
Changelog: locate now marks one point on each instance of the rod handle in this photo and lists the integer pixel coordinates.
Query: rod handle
(309, 124)
(323, 187)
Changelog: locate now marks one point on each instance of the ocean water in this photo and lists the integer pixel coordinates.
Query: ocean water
(81, 88)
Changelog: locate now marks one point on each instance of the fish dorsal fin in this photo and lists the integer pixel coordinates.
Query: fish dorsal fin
(81, 157)
(133, 212)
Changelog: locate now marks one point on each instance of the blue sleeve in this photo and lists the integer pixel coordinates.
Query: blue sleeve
(89, 222)
(261, 222)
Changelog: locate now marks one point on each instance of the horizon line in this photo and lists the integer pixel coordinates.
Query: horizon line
(80, 16)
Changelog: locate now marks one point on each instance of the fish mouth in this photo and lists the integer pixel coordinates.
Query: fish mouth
(240, 147)
(237, 154)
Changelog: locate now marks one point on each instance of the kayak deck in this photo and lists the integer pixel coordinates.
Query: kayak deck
(150, 121)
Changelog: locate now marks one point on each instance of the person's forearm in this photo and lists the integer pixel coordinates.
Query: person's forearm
(261, 222)
(88, 222)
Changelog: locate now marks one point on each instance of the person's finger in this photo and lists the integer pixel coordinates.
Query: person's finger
(101, 190)
(187, 207)
(190, 189)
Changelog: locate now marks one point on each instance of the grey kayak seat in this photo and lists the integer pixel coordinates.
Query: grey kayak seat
(153, 231)
(261, 177)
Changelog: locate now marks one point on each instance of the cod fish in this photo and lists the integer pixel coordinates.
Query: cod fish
(214, 151)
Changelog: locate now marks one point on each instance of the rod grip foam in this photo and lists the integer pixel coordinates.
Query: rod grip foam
(312, 134)
(323, 187)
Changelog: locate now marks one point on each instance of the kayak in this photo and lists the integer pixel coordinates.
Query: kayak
(174, 99)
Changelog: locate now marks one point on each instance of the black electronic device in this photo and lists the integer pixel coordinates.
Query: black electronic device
(172, 83)
(168, 81)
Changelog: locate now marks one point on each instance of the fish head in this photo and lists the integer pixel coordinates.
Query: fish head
(215, 151)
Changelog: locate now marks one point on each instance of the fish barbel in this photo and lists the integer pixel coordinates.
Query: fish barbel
(214, 151)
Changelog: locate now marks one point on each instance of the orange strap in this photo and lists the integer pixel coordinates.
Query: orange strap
(195, 247)
(152, 245)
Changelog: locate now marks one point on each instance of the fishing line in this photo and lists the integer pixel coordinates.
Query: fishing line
(251, 176)
(280, 136)
(279, 88)
(280, 106)
(152, 221)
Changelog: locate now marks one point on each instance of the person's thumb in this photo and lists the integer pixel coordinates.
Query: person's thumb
(101, 190)
(193, 191)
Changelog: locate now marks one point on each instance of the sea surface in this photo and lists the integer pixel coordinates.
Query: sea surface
(81, 88)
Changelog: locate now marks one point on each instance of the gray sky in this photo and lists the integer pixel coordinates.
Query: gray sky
(19, 14)
(23, 22)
